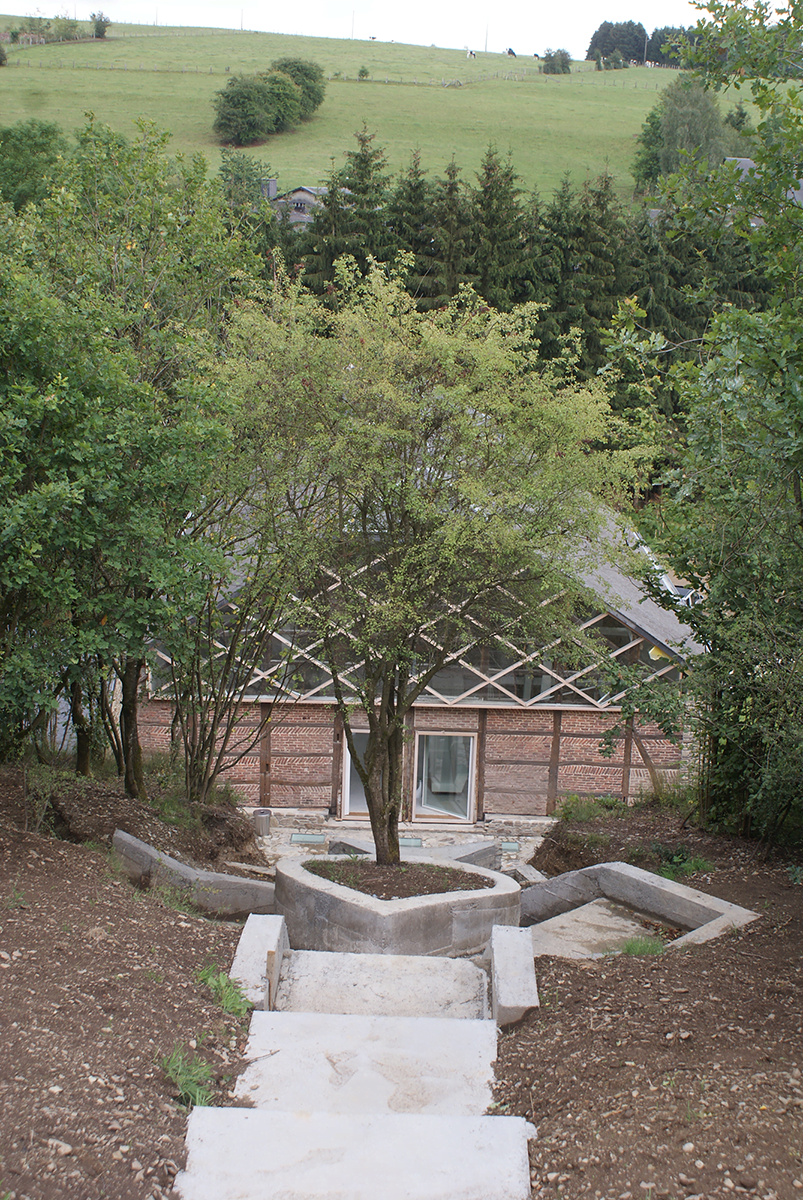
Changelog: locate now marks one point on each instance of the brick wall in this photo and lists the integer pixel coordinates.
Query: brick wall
(530, 758)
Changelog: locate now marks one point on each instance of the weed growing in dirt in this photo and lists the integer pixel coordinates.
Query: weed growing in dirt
(639, 946)
(227, 992)
(795, 874)
(16, 899)
(677, 862)
(586, 808)
(174, 897)
(677, 794)
(190, 1075)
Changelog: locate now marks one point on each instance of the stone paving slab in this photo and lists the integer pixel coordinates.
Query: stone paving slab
(246, 1154)
(591, 929)
(354, 1064)
(317, 981)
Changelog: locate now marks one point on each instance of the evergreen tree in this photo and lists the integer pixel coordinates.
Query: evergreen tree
(353, 215)
(450, 209)
(664, 44)
(411, 221)
(628, 37)
(583, 269)
(326, 237)
(500, 255)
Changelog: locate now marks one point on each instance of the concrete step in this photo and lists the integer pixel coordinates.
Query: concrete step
(359, 1064)
(388, 985)
(246, 1154)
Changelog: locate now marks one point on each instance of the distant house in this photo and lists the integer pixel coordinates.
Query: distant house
(500, 730)
(299, 204)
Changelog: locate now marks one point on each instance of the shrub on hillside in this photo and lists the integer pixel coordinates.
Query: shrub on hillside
(557, 62)
(308, 77)
(251, 107)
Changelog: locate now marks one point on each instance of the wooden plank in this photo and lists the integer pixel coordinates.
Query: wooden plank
(554, 765)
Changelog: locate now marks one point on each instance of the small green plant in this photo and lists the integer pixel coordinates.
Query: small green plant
(179, 899)
(16, 899)
(227, 992)
(190, 1075)
(677, 862)
(363, 73)
(639, 946)
(795, 874)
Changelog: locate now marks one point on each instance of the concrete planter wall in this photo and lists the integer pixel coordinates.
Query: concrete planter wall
(327, 916)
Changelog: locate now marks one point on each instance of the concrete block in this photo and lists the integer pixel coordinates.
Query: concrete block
(514, 990)
(368, 1064)
(242, 1154)
(524, 874)
(350, 845)
(478, 854)
(258, 958)
(541, 901)
(212, 891)
(675, 903)
(322, 915)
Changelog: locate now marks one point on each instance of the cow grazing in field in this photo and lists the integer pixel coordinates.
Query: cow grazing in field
(470, 54)
(511, 53)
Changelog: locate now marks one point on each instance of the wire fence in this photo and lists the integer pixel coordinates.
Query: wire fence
(521, 76)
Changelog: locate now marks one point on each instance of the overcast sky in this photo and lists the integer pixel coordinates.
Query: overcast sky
(526, 27)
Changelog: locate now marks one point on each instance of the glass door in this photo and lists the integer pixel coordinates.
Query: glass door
(444, 777)
(354, 803)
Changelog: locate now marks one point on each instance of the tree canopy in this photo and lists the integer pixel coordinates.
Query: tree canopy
(441, 489)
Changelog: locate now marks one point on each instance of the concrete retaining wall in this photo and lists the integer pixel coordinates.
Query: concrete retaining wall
(211, 891)
(322, 915)
(703, 915)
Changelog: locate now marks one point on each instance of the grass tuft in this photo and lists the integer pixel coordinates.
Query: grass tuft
(227, 992)
(640, 946)
(190, 1075)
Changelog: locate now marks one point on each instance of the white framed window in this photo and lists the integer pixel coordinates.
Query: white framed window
(444, 776)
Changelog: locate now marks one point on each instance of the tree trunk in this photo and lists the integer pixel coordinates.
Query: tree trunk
(83, 732)
(133, 778)
(385, 828)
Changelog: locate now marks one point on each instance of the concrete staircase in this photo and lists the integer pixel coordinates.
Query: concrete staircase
(360, 1087)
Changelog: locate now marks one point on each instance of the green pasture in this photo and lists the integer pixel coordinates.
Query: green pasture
(427, 98)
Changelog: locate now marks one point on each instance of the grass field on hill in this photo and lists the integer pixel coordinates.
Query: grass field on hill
(417, 97)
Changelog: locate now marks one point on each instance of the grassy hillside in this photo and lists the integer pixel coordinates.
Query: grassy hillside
(429, 98)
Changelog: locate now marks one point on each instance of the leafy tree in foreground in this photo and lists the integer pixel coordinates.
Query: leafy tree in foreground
(150, 240)
(733, 520)
(30, 152)
(440, 492)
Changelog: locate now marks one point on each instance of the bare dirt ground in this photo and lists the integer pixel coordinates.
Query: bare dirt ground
(671, 1076)
(677, 1075)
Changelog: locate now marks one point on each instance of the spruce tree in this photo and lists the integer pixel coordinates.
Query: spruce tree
(353, 216)
(450, 210)
(412, 223)
(499, 250)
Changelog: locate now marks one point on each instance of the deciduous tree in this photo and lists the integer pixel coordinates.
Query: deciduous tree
(441, 492)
